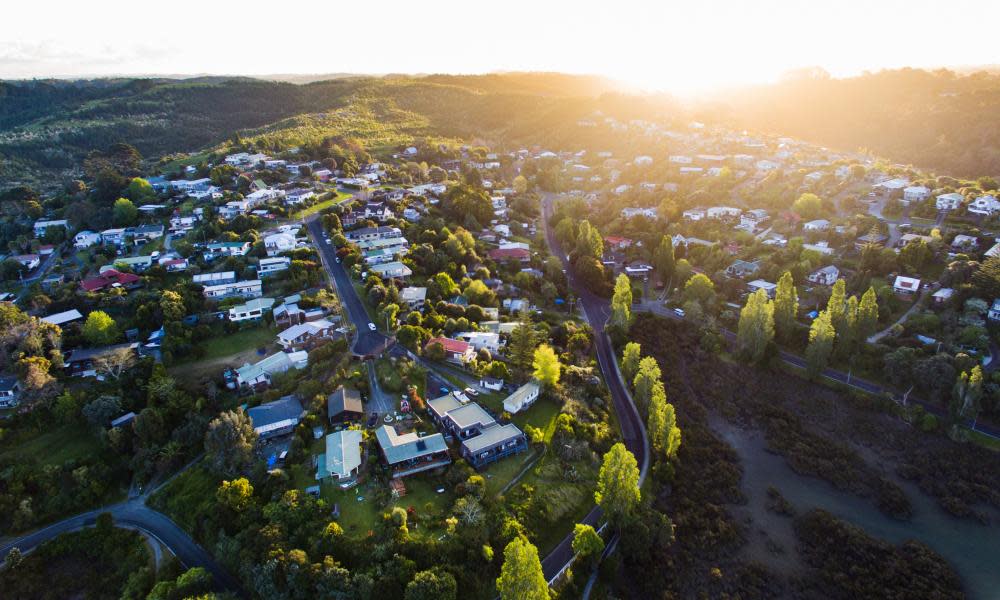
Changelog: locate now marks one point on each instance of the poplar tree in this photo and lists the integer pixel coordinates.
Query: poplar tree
(645, 379)
(835, 307)
(664, 435)
(663, 258)
(618, 484)
(621, 307)
(786, 306)
(756, 326)
(521, 577)
(821, 336)
(867, 315)
(631, 356)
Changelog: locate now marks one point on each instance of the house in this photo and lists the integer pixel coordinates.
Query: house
(823, 247)
(759, 284)
(79, 362)
(753, 218)
(870, 239)
(892, 185)
(459, 420)
(723, 212)
(63, 317)
(826, 276)
(994, 312)
(276, 243)
(41, 227)
(493, 443)
(943, 295)
(411, 453)
(632, 212)
(342, 459)
(949, 201)
(251, 311)
(28, 261)
(213, 251)
(135, 263)
(123, 420)
(268, 266)
(263, 196)
(86, 239)
(10, 392)
(693, 214)
(205, 279)
(618, 243)
(816, 225)
(481, 340)
(510, 254)
(984, 205)
(742, 268)
(455, 351)
(522, 398)
(965, 242)
(908, 238)
(344, 406)
(277, 418)
(906, 287)
(638, 269)
(259, 375)
(305, 333)
(915, 193)
(373, 233)
(414, 297)
(393, 270)
(252, 288)
(108, 279)
(145, 233)
(115, 237)
(378, 211)
(491, 383)
(183, 224)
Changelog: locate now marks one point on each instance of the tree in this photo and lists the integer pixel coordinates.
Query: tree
(99, 412)
(14, 558)
(100, 329)
(836, 306)
(618, 484)
(229, 443)
(435, 352)
(967, 393)
(663, 258)
(756, 326)
(808, 206)
(621, 307)
(435, 584)
(821, 336)
(546, 365)
(139, 190)
(521, 576)
(848, 338)
(631, 356)
(916, 255)
(867, 315)
(115, 362)
(124, 212)
(646, 378)
(172, 306)
(522, 344)
(236, 495)
(987, 278)
(786, 306)
(520, 184)
(586, 542)
(700, 289)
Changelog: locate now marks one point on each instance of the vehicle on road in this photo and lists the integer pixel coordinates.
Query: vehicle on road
(338, 260)
(470, 391)
(905, 225)
(371, 326)
(679, 312)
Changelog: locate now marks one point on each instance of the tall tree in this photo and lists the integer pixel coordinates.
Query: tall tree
(663, 258)
(867, 315)
(546, 366)
(756, 326)
(646, 378)
(786, 306)
(836, 308)
(621, 307)
(664, 435)
(631, 356)
(587, 543)
(522, 343)
(521, 576)
(435, 584)
(847, 340)
(967, 393)
(821, 336)
(618, 484)
(229, 443)
(100, 329)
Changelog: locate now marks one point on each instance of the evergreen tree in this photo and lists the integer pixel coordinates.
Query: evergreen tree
(867, 315)
(756, 326)
(521, 577)
(522, 344)
(821, 336)
(786, 306)
(618, 484)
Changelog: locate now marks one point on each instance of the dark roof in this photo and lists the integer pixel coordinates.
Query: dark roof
(82, 354)
(282, 409)
(343, 400)
(7, 383)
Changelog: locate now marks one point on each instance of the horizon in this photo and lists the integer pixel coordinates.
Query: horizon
(680, 50)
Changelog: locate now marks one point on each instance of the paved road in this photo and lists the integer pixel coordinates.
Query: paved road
(378, 400)
(134, 514)
(596, 311)
(367, 342)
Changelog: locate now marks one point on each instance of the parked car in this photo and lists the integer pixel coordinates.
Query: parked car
(470, 391)
(371, 326)
(679, 312)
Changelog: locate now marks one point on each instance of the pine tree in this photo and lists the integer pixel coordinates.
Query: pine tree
(821, 336)
(522, 343)
(621, 307)
(786, 306)
(756, 326)
(867, 315)
(631, 356)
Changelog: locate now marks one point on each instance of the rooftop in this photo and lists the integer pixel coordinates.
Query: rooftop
(408, 446)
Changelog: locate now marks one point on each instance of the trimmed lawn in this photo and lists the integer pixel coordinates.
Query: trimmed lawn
(500, 473)
(542, 415)
(56, 446)
(245, 339)
(319, 206)
(359, 513)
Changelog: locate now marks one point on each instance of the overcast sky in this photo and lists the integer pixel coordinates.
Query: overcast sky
(656, 44)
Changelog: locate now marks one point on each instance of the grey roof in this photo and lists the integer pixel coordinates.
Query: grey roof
(343, 400)
(81, 354)
(343, 452)
(492, 436)
(398, 448)
(469, 415)
(287, 408)
(442, 405)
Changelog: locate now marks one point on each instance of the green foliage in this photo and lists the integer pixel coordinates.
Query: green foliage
(786, 306)
(100, 329)
(756, 326)
(546, 366)
(618, 484)
(229, 443)
(821, 337)
(124, 212)
(521, 576)
(586, 541)
(630, 361)
(621, 307)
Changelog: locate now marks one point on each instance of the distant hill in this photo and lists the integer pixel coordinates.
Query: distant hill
(938, 120)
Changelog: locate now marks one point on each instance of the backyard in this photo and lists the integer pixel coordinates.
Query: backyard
(337, 198)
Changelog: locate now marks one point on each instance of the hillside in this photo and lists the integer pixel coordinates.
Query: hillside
(937, 120)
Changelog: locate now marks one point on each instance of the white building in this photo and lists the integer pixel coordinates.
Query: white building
(915, 193)
(722, 212)
(826, 276)
(480, 340)
(276, 243)
(759, 284)
(267, 266)
(41, 226)
(250, 311)
(694, 214)
(522, 398)
(252, 288)
(984, 205)
(305, 333)
(817, 225)
(949, 201)
(86, 239)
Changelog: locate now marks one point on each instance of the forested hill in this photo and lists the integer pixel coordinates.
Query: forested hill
(46, 127)
(939, 120)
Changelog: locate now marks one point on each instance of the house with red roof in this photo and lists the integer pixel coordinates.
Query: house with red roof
(510, 254)
(619, 243)
(455, 351)
(108, 279)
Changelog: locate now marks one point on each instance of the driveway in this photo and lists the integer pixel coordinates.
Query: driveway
(379, 401)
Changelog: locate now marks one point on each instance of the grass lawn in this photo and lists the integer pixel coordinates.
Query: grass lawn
(57, 445)
(245, 339)
(359, 513)
(319, 206)
(360, 289)
(149, 248)
(571, 500)
(188, 496)
(500, 473)
(542, 414)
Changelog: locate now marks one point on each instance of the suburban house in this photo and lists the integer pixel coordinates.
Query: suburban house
(114, 237)
(510, 255)
(943, 295)
(298, 196)
(638, 269)
(182, 224)
(908, 238)
(259, 375)
(493, 443)
(206, 279)
(413, 296)
(965, 242)
(826, 276)
(393, 270)
(28, 261)
(759, 284)
(522, 398)
(305, 334)
(108, 279)
(378, 211)
(752, 218)
(455, 351)
(984, 205)
(79, 362)
(276, 243)
(693, 214)
(277, 418)
(723, 212)
(994, 312)
(915, 193)
(61, 318)
(480, 340)
(483, 439)
(136, 263)
(618, 243)
(344, 406)
(274, 264)
(742, 268)
(491, 383)
(870, 239)
(950, 201)
(41, 226)
(906, 287)
(289, 313)
(816, 225)
(632, 212)
(10, 391)
(459, 420)
(145, 233)
(86, 239)
(342, 459)
(251, 311)
(252, 288)
(213, 251)
(411, 453)
(373, 233)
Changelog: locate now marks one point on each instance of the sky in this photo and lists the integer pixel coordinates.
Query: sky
(656, 45)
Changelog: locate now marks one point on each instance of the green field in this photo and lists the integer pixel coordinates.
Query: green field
(234, 343)
(358, 512)
(320, 206)
(55, 446)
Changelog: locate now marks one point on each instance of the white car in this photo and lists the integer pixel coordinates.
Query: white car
(679, 312)
(371, 326)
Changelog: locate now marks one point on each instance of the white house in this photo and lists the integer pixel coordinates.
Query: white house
(816, 225)
(86, 239)
(826, 276)
(251, 310)
(480, 340)
(693, 214)
(906, 286)
(41, 226)
(949, 201)
(252, 288)
(630, 212)
(994, 312)
(305, 333)
(723, 212)
(753, 218)
(760, 284)
(915, 193)
(984, 205)
(522, 398)
(276, 243)
(266, 266)
(413, 296)
(226, 249)
(261, 373)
